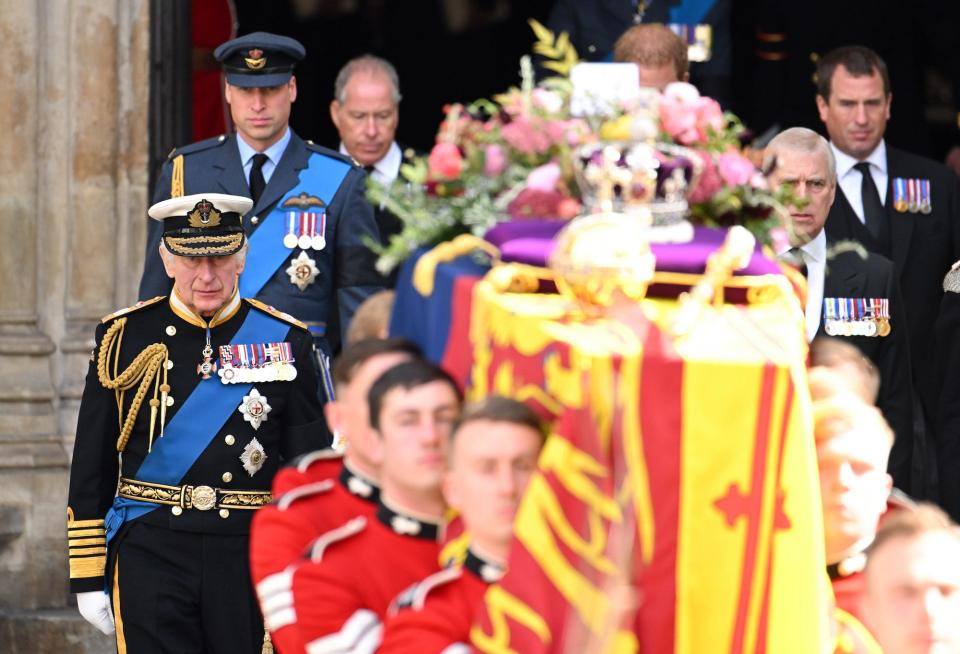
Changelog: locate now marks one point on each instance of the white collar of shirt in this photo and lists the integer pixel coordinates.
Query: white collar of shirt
(387, 169)
(274, 152)
(849, 179)
(815, 258)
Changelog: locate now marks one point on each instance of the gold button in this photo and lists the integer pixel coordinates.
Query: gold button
(169, 364)
(227, 477)
(176, 510)
(255, 220)
(229, 439)
(224, 513)
(169, 400)
(171, 330)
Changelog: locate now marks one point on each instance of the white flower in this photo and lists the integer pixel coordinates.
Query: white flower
(681, 92)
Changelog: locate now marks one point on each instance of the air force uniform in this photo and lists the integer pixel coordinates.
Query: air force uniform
(309, 226)
(173, 456)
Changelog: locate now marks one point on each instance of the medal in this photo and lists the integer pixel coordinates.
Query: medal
(289, 241)
(254, 409)
(302, 271)
(253, 457)
(925, 203)
(913, 204)
(319, 241)
(206, 367)
(304, 242)
(900, 194)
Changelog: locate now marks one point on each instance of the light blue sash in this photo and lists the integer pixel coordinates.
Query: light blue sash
(321, 178)
(197, 422)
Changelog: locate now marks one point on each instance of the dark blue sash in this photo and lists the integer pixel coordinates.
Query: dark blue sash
(321, 178)
(197, 422)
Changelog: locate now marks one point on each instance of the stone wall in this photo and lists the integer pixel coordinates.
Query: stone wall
(73, 191)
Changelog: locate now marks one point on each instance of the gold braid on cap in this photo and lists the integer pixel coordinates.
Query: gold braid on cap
(145, 369)
(176, 177)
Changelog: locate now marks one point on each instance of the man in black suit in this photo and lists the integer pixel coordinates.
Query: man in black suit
(366, 111)
(849, 296)
(906, 208)
(309, 220)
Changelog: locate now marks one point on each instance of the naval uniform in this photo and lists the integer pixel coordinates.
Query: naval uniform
(342, 593)
(434, 616)
(317, 286)
(329, 495)
(175, 503)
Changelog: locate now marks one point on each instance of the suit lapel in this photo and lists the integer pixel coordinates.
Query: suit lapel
(286, 175)
(901, 225)
(230, 169)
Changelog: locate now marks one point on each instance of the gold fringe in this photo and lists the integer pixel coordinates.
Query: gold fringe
(176, 178)
(143, 370)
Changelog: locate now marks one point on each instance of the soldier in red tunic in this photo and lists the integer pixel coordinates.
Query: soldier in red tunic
(494, 450)
(340, 594)
(323, 489)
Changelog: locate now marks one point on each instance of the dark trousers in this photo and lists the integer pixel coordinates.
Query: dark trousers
(183, 593)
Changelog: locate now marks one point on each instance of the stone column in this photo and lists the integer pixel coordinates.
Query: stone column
(72, 199)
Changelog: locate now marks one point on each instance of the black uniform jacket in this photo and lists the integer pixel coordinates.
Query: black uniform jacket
(291, 427)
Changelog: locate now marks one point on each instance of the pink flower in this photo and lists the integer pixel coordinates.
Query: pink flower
(544, 178)
(494, 160)
(735, 169)
(687, 116)
(710, 181)
(534, 203)
(525, 136)
(709, 114)
(445, 161)
(547, 100)
(779, 239)
(679, 120)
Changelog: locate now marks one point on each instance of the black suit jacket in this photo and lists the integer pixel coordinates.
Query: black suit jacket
(848, 275)
(924, 246)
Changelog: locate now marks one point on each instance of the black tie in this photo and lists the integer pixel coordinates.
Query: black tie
(874, 215)
(369, 169)
(795, 256)
(257, 183)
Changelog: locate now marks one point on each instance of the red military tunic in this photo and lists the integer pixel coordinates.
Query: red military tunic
(434, 616)
(282, 532)
(341, 595)
(311, 467)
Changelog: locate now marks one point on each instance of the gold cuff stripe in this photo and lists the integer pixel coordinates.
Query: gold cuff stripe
(232, 243)
(80, 533)
(79, 542)
(88, 551)
(92, 566)
(771, 37)
(79, 524)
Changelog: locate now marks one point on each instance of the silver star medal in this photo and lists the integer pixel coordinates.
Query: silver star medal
(303, 271)
(254, 408)
(404, 525)
(253, 457)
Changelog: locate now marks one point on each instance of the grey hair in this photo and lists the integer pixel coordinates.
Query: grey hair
(801, 139)
(367, 63)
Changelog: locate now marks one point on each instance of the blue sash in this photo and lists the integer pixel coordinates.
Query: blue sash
(321, 178)
(197, 422)
(691, 12)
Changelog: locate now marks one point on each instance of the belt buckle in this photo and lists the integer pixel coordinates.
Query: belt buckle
(203, 498)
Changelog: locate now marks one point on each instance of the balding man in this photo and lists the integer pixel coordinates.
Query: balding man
(848, 296)
(660, 54)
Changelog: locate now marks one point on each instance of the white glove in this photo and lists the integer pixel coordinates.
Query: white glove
(95, 608)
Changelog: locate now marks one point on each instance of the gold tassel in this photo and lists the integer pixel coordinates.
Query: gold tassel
(267, 643)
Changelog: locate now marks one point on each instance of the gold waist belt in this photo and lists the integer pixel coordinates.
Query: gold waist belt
(201, 498)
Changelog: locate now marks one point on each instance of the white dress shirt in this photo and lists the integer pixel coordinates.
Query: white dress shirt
(274, 152)
(815, 257)
(850, 179)
(387, 169)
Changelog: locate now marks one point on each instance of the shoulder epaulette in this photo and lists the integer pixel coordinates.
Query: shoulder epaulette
(300, 492)
(139, 305)
(951, 282)
(198, 146)
(276, 313)
(343, 532)
(313, 147)
(415, 596)
(306, 460)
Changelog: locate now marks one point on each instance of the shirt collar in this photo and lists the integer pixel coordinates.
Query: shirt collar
(816, 249)
(388, 165)
(485, 569)
(223, 314)
(358, 485)
(407, 524)
(845, 162)
(274, 152)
